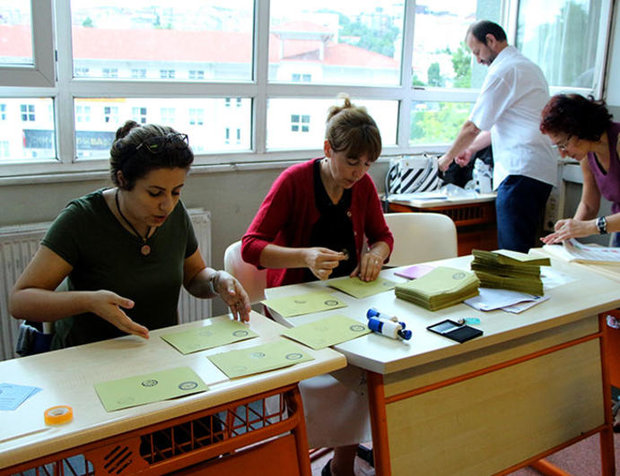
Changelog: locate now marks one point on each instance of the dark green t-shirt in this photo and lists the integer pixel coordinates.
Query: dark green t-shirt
(104, 255)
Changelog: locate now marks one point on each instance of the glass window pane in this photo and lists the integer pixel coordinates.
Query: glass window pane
(440, 56)
(15, 33)
(561, 38)
(437, 122)
(300, 123)
(169, 40)
(336, 41)
(27, 130)
(205, 121)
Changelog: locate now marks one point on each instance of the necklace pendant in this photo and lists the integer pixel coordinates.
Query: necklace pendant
(145, 250)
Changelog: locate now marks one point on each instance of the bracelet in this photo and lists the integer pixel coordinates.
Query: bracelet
(601, 224)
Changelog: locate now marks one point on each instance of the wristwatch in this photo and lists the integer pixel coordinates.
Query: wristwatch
(601, 224)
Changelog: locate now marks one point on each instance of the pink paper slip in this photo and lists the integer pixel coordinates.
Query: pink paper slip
(415, 271)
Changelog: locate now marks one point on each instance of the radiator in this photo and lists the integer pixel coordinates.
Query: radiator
(19, 243)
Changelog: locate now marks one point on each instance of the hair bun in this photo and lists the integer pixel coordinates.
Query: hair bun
(125, 128)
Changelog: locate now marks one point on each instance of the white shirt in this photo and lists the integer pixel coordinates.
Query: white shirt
(509, 105)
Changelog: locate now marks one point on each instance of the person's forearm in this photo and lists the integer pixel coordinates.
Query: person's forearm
(275, 256)
(482, 140)
(613, 223)
(42, 305)
(466, 137)
(204, 284)
(585, 212)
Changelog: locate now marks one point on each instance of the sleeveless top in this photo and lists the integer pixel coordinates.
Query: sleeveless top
(609, 182)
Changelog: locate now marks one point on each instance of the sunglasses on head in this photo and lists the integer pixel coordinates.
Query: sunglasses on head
(157, 144)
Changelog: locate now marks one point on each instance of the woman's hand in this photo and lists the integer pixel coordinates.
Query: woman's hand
(322, 261)
(233, 294)
(570, 228)
(108, 306)
(370, 267)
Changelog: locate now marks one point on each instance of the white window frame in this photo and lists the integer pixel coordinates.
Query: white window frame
(52, 77)
(41, 73)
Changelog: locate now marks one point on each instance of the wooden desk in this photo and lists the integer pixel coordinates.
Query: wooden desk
(165, 436)
(474, 218)
(534, 383)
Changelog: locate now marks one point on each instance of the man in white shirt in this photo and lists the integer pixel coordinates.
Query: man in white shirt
(507, 115)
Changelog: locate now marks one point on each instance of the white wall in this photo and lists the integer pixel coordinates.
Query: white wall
(232, 197)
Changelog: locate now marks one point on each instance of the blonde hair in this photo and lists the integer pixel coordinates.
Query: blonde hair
(352, 130)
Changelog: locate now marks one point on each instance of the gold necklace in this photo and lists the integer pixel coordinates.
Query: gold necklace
(144, 249)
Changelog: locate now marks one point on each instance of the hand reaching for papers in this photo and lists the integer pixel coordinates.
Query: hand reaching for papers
(233, 294)
(109, 306)
(570, 228)
(369, 268)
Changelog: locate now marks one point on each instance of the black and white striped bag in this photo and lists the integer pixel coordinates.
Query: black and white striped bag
(413, 173)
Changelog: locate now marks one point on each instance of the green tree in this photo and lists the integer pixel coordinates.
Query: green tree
(88, 22)
(434, 76)
(461, 63)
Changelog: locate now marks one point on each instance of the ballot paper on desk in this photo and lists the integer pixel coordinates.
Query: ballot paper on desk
(290, 306)
(260, 358)
(208, 336)
(573, 250)
(357, 288)
(148, 388)
(511, 301)
(326, 332)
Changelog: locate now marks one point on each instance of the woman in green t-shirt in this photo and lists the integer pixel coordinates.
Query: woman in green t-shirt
(125, 251)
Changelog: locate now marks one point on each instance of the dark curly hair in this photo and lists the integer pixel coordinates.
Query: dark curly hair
(135, 162)
(575, 115)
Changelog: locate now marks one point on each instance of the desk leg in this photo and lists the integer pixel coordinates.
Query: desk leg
(608, 458)
(606, 436)
(295, 406)
(378, 423)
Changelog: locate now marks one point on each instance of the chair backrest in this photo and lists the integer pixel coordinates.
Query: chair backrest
(421, 237)
(251, 278)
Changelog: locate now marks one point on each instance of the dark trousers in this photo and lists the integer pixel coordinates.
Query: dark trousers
(520, 206)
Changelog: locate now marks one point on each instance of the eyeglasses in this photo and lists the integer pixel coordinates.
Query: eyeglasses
(157, 144)
(561, 146)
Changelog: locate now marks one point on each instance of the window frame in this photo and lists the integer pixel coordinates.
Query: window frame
(41, 73)
(52, 77)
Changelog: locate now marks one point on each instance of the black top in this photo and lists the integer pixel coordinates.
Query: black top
(334, 229)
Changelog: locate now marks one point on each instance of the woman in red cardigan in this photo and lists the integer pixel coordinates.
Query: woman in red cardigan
(314, 224)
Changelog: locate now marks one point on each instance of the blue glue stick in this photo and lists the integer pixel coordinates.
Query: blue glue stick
(386, 325)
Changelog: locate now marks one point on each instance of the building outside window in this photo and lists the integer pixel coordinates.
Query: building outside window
(27, 113)
(110, 114)
(405, 61)
(139, 114)
(196, 74)
(138, 73)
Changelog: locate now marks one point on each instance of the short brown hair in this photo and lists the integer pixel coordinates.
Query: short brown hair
(351, 129)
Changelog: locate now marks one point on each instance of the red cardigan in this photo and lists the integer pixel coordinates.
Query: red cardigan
(289, 212)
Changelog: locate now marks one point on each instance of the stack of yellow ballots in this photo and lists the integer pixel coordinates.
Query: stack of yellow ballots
(511, 270)
(441, 287)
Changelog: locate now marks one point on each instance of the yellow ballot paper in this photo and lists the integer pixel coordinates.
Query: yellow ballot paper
(261, 358)
(332, 330)
(362, 289)
(214, 335)
(290, 306)
(148, 388)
